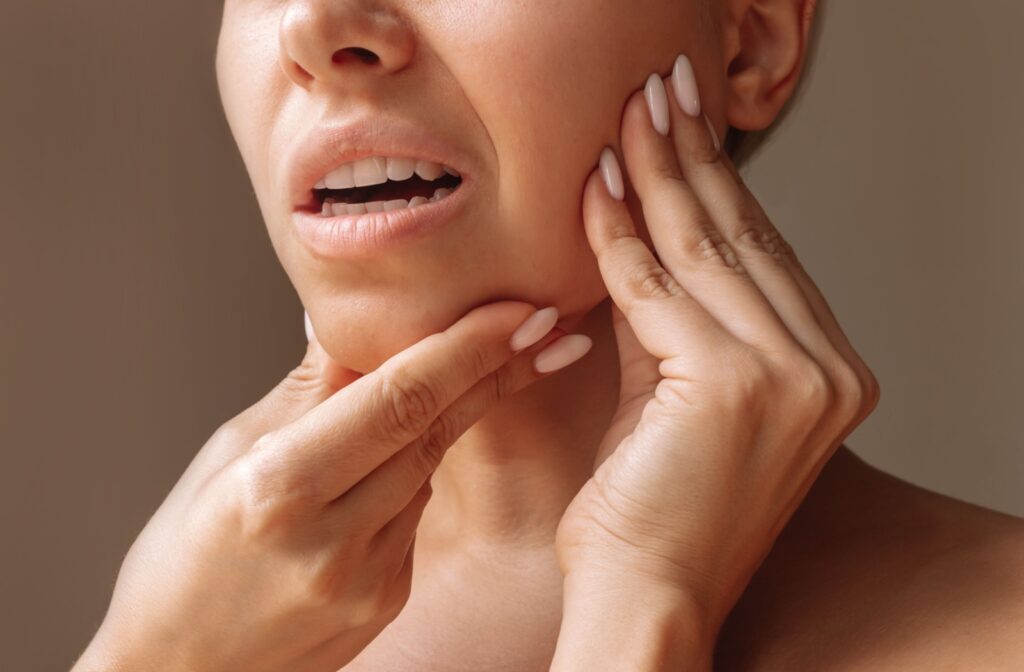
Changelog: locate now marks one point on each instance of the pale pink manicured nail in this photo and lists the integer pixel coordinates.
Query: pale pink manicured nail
(657, 102)
(684, 83)
(714, 134)
(534, 328)
(310, 336)
(562, 353)
(612, 174)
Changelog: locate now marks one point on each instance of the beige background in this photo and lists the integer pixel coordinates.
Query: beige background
(142, 304)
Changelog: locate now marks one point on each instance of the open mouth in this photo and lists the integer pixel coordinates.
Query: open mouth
(378, 184)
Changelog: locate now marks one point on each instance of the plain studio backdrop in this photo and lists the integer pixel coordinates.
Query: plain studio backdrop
(142, 304)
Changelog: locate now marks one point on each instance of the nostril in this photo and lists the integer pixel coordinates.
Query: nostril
(346, 54)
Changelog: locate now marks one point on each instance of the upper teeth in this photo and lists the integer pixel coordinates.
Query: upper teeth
(378, 170)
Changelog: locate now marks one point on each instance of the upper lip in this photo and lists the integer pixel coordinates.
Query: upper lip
(329, 146)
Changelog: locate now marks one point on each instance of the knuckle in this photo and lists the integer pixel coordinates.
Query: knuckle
(869, 391)
(479, 361)
(652, 281)
(850, 391)
(431, 448)
(700, 148)
(711, 247)
(409, 403)
(814, 389)
(503, 383)
(669, 171)
(380, 600)
(261, 505)
(776, 245)
(872, 391)
(747, 382)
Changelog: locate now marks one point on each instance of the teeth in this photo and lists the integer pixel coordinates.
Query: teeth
(340, 178)
(400, 169)
(429, 171)
(370, 171)
(375, 170)
(330, 208)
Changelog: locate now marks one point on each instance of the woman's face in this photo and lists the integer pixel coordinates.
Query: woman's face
(529, 90)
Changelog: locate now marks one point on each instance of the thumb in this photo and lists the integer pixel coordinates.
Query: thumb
(317, 377)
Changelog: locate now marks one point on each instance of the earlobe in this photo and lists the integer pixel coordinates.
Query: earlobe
(765, 44)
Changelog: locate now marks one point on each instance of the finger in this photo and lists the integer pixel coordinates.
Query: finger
(394, 539)
(685, 237)
(762, 250)
(369, 504)
(667, 321)
(739, 218)
(316, 378)
(334, 445)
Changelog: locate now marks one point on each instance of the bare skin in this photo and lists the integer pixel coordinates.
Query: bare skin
(486, 588)
(946, 589)
(872, 573)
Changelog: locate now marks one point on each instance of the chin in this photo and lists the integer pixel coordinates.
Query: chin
(362, 335)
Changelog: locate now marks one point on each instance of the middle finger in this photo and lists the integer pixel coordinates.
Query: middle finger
(687, 241)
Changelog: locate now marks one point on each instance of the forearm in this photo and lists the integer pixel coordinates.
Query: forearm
(619, 625)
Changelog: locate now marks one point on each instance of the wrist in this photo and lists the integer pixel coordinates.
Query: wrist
(618, 621)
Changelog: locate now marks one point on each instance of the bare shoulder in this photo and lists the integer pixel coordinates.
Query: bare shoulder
(874, 573)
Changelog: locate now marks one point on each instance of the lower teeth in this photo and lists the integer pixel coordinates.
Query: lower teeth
(332, 208)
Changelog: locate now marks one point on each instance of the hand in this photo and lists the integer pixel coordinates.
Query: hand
(737, 382)
(287, 544)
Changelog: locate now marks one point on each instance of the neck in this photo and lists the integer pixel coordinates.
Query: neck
(508, 479)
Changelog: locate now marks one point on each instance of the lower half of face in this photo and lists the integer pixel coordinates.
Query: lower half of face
(533, 91)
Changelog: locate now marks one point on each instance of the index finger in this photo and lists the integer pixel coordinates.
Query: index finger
(334, 445)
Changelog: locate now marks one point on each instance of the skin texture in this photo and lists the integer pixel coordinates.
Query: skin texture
(534, 91)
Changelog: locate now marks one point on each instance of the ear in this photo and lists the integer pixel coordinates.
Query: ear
(764, 43)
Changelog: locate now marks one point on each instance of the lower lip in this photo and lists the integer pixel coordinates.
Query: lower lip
(360, 236)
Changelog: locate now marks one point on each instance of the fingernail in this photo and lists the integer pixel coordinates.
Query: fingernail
(612, 174)
(657, 102)
(534, 328)
(310, 336)
(684, 83)
(562, 353)
(714, 135)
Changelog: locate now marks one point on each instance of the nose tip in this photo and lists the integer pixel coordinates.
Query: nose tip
(342, 41)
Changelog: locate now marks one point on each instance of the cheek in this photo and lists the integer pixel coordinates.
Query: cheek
(549, 87)
(251, 85)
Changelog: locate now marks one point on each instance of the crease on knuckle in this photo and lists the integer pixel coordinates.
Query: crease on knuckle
(439, 437)
(653, 281)
(711, 247)
(670, 172)
(700, 148)
(409, 403)
(776, 245)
